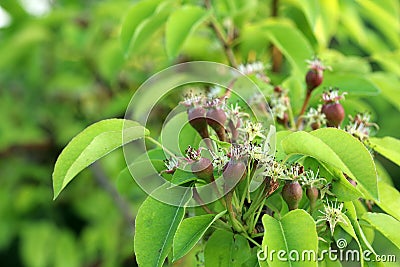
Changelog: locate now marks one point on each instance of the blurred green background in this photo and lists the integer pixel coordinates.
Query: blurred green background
(62, 68)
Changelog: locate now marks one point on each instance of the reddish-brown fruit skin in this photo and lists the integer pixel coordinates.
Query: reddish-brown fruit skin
(354, 183)
(234, 172)
(314, 78)
(216, 118)
(203, 169)
(278, 89)
(312, 193)
(315, 125)
(292, 194)
(334, 113)
(197, 118)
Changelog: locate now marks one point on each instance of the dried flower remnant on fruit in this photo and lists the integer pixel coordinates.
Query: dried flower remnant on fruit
(192, 154)
(333, 110)
(360, 126)
(238, 152)
(294, 172)
(317, 64)
(171, 164)
(314, 76)
(332, 214)
(332, 96)
(192, 100)
(326, 190)
(315, 118)
(312, 179)
(220, 159)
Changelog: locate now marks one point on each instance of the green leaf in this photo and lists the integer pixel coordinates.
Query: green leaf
(91, 144)
(282, 34)
(296, 231)
(136, 15)
(355, 84)
(142, 34)
(178, 134)
(310, 8)
(388, 147)
(389, 199)
(341, 187)
(181, 177)
(180, 25)
(224, 249)
(190, 232)
(385, 224)
(339, 149)
(280, 153)
(326, 24)
(363, 242)
(344, 190)
(382, 19)
(146, 30)
(389, 85)
(156, 225)
(354, 155)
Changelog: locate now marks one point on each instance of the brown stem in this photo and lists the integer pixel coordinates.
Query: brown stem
(276, 53)
(200, 201)
(303, 108)
(104, 182)
(224, 42)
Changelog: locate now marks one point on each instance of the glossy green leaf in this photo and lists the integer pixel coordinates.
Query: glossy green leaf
(343, 189)
(91, 144)
(296, 231)
(383, 19)
(146, 30)
(135, 16)
(359, 161)
(156, 225)
(180, 25)
(351, 83)
(280, 153)
(181, 177)
(388, 60)
(332, 146)
(190, 232)
(224, 249)
(363, 242)
(310, 9)
(178, 134)
(388, 147)
(389, 199)
(327, 21)
(385, 224)
(389, 85)
(282, 35)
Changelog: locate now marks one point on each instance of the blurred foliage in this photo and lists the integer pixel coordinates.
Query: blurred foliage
(63, 70)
